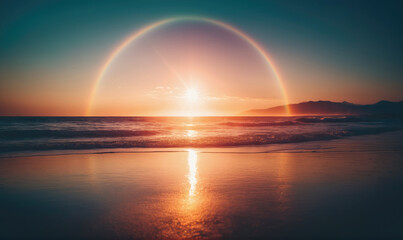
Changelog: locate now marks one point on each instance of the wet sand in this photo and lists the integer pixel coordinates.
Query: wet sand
(343, 189)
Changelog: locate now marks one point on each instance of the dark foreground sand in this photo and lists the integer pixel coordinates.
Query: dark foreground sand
(343, 189)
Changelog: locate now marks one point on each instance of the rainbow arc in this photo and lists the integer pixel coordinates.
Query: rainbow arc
(141, 32)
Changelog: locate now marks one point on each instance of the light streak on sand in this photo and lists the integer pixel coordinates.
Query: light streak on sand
(192, 162)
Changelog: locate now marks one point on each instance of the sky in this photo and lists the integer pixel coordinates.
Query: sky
(51, 54)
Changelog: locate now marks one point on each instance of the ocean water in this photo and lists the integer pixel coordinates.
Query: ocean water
(32, 134)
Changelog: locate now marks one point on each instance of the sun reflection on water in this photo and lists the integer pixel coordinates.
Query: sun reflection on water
(191, 133)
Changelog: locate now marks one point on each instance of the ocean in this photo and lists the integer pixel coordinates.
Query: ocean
(41, 134)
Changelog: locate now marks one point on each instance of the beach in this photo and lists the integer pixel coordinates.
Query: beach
(345, 188)
(205, 120)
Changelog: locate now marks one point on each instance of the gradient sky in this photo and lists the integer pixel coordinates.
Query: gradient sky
(51, 52)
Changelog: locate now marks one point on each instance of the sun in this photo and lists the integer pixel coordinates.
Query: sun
(192, 94)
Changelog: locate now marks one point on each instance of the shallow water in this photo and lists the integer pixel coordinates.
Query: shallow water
(345, 189)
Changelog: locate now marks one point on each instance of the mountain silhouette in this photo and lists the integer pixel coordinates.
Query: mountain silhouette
(332, 108)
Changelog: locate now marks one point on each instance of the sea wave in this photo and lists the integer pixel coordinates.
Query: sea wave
(299, 121)
(260, 124)
(32, 134)
(173, 141)
(78, 133)
(341, 119)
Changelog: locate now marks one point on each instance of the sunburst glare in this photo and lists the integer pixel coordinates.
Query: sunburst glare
(192, 94)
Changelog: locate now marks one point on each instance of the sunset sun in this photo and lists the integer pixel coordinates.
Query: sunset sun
(192, 95)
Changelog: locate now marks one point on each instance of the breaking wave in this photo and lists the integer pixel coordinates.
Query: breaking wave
(40, 134)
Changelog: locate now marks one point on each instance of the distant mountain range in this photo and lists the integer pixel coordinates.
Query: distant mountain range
(332, 108)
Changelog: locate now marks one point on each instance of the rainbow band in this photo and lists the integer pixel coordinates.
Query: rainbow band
(155, 25)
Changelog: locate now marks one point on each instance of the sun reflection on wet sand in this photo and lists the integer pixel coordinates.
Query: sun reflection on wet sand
(192, 175)
(190, 194)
